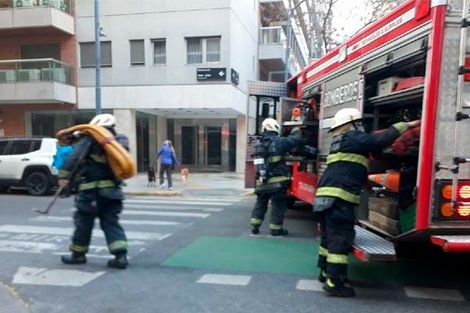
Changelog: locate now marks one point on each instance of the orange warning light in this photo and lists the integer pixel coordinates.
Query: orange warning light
(446, 209)
(447, 192)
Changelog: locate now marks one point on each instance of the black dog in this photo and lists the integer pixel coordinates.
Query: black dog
(151, 177)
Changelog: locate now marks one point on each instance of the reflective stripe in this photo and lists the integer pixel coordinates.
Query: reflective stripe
(98, 184)
(275, 226)
(77, 248)
(255, 221)
(322, 251)
(118, 245)
(98, 158)
(278, 179)
(337, 258)
(275, 159)
(401, 127)
(338, 193)
(348, 157)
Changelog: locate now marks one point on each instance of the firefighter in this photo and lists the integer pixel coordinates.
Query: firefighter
(338, 193)
(100, 195)
(272, 176)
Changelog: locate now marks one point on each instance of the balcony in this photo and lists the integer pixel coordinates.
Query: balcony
(36, 81)
(272, 48)
(17, 17)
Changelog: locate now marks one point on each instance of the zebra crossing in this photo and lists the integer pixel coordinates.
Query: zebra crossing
(146, 220)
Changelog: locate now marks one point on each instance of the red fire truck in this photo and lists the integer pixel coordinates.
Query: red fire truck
(412, 63)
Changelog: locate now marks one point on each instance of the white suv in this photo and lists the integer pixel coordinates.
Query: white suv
(27, 163)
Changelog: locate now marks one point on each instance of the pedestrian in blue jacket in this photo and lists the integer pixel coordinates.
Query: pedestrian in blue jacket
(167, 161)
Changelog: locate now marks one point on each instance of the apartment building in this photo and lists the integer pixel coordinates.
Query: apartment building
(175, 70)
(38, 58)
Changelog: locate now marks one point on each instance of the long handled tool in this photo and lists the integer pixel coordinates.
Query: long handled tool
(59, 190)
(51, 203)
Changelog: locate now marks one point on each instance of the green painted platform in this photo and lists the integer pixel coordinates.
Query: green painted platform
(275, 255)
(270, 255)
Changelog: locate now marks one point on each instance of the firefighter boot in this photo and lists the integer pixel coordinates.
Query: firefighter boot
(74, 258)
(279, 232)
(120, 261)
(337, 288)
(255, 230)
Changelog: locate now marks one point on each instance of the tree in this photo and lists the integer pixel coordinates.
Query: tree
(316, 20)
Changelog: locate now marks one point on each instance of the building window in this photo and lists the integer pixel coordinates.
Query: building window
(137, 52)
(87, 54)
(203, 50)
(159, 51)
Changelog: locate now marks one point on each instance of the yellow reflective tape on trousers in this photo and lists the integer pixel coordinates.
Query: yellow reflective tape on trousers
(348, 157)
(338, 193)
(98, 184)
(337, 258)
(322, 251)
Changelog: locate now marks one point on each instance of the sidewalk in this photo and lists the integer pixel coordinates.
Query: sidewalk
(235, 182)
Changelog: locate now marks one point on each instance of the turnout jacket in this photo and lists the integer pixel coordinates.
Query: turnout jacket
(348, 161)
(93, 167)
(277, 170)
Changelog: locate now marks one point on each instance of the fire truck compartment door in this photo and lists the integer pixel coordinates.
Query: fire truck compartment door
(452, 243)
(371, 247)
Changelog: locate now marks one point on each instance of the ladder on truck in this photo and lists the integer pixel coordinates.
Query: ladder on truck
(456, 243)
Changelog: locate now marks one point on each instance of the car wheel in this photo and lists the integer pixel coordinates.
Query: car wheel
(37, 184)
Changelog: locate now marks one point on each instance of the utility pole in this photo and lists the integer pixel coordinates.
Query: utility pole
(288, 39)
(97, 58)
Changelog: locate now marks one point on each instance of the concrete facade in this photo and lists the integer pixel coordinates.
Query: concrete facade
(171, 91)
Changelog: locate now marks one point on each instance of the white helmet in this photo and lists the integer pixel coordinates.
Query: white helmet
(105, 120)
(270, 124)
(345, 116)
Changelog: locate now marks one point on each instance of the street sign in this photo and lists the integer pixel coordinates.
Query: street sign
(213, 73)
(234, 76)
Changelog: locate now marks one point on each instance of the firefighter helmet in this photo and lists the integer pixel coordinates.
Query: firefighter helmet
(270, 124)
(344, 116)
(105, 120)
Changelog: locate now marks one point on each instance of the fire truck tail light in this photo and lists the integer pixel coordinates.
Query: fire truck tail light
(447, 192)
(446, 210)
(464, 210)
(422, 8)
(463, 192)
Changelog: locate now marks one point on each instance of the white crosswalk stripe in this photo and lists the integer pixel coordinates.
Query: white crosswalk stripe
(145, 220)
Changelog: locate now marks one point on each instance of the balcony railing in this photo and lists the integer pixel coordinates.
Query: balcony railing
(272, 35)
(36, 70)
(62, 5)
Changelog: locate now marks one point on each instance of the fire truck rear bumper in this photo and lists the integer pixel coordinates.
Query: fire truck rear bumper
(457, 244)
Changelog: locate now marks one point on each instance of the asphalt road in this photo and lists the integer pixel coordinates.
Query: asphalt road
(196, 254)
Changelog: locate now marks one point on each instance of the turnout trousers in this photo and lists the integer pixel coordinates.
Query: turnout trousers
(337, 236)
(278, 208)
(92, 204)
